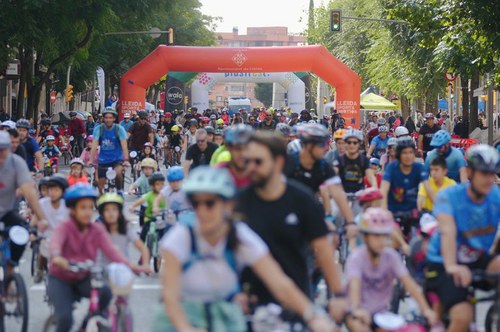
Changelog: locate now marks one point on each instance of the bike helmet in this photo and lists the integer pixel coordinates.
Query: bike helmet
(369, 194)
(153, 126)
(209, 129)
(45, 122)
(218, 132)
(9, 123)
(109, 110)
(403, 144)
(175, 173)
(149, 162)
(483, 157)
(313, 133)
(428, 224)
(374, 161)
(126, 116)
(77, 192)
(383, 129)
(401, 131)
(283, 129)
(5, 142)
(58, 180)
(353, 133)
(440, 138)
(168, 115)
(155, 178)
(50, 138)
(392, 141)
(23, 123)
(90, 138)
(43, 182)
(109, 198)
(376, 220)
(148, 144)
(311, 122)
(220, 121)
(429, 116)
(339, 134)
(205, 179)
(175, 128)
(192, 122)
(72, 113)
(142, 114)
(213, 117)
(381, 121)
(238, 134)
(77, 161)
(294, 146)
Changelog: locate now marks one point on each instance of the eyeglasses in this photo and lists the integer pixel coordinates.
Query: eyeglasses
(209, 203)
(352, 142)
(323, 144)
(201, 140)
(256, 161)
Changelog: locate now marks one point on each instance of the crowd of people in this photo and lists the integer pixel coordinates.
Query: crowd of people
(256, 205)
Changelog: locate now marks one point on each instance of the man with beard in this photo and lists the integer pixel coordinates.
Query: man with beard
(30, 145)
(285, 214)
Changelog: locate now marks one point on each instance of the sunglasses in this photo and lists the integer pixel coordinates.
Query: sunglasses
(209, 203)
(256, 161)
(201, 140)
(323, 144)
(352, 142)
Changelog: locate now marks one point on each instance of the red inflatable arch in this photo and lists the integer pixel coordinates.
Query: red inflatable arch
(314, 59)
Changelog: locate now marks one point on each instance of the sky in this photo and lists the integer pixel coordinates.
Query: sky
(258, 13)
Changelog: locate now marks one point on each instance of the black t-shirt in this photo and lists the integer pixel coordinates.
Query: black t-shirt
(200, 158)
(312, 178)
(427, 132)
(21, 151)
(168, 127)
(264, 126)
(287, 225)
(352, 172)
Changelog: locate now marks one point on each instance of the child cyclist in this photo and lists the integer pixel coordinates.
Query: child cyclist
(51, 151)
(171, 194)
(148, 167)
(110, 208)
(77, 175)
(56, 211)
(437, 182)
(371, 271)
(78, 240)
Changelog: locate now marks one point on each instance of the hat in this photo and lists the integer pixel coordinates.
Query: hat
(126, 116)
(429, 116)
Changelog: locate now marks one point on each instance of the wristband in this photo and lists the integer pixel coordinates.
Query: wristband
(338, 294)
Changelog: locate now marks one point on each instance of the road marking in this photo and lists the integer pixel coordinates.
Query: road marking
(41, 287)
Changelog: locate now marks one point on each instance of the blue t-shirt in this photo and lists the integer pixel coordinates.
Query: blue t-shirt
(380, 146)
(454, 161)
(403, 193)
(477, 224)
(111, 148)
(126, 125)
(31, 146)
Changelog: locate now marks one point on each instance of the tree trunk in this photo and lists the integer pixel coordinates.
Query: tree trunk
(465, 96)
(405, 107)
(474, 115)
(23, 58)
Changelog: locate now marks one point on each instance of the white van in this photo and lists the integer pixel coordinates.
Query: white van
(235, 103)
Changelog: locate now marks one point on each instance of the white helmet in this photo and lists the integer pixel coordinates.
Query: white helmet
(353, 133)
(401, 131)
(50, 138)
(294, 146)
(205, 179)
(120, 278)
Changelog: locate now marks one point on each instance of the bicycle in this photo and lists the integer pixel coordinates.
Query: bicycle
(409, 222)
(94, 320)
(492, 321)
(35, 251)
(66, 153)
(13, 295)
(157, 227)
(133, 161)
(173, 157)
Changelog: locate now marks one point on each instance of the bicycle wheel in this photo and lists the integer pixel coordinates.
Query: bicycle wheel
(157, 263)
(50, 324)
(16, 304)
(397, 296)
(97, 323)
(123, 320)
(492, 321)
(35, 252)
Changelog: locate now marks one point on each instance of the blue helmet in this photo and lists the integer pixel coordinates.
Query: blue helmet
(77, 192)
(375, 161)
(175, 173)
(440, 138)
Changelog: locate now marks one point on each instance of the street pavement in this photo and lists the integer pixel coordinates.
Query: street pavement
(145, 295)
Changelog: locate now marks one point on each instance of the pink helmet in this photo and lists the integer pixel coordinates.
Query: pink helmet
(369, 194)
(90, 138)
(377, 220)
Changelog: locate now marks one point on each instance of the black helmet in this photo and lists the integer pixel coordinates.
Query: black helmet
(209, 129)
(403, 144)
(23, 123)
(45, 122)
(43, 182)
(155, 178)
(192, 122)
(142, 114)
(483, 157)
(72, 113)
(58, 180)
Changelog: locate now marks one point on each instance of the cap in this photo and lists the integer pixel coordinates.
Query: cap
(126, 116)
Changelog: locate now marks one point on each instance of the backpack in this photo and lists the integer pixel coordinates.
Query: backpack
(101, 132)
(297, 172)
(364, 163)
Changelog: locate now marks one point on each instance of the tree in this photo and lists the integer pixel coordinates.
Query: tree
(264, 93)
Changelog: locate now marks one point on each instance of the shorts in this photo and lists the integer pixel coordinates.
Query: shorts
(103, 168)
(441, 283)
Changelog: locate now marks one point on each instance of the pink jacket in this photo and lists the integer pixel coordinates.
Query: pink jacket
(69, 242)
(86, 157)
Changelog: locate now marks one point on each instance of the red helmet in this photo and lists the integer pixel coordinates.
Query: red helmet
(369, 194)
(168, 115)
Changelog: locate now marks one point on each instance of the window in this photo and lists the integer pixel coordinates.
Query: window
(219, 98)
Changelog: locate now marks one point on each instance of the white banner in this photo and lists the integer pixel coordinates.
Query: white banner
(100, 82)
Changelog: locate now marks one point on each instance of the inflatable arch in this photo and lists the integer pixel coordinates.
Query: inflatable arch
(289, 81)
(314, 59)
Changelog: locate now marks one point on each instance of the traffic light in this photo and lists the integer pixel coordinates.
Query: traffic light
(325, 100)
(336, 20)
(69, 93)
(170, 37)
(186, 100)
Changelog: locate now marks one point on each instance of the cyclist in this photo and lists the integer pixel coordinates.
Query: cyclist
(468, 216)
(371, 271)
(48, 130)
(372, 133)
(74, 241)
(126, 123)
(190, 135)
(268, 123)
(174, 142)
(147, 152)
(333, 155)
(87, 151)
(402, 132)
(376, 168)
(287, 217)
(76, 128)
(426, 133)
(53, 206)
(454, 158)
(199, 153)
(437, 182)
(379, 143)
(217, 243)
(51, 151)
(172, 194)
(390, 154)
(77, 175)
(140, 132)
(113, 152)
(400, 184)
(148, 167)
(236, 139)
(30, 145)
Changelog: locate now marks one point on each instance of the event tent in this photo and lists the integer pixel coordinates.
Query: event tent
(372, 101)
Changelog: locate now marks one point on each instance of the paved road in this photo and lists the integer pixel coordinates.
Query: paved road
(144, 298)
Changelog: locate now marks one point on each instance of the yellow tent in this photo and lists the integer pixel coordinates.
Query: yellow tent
(372, 101)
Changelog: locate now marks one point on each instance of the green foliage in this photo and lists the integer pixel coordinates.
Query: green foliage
(264, 93)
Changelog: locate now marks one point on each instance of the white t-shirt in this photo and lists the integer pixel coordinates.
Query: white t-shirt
(54, 216)
(175, 200)
(212, 278)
